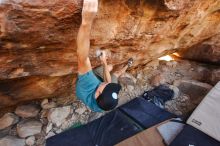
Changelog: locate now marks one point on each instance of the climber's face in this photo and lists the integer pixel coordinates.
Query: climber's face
(100, 89)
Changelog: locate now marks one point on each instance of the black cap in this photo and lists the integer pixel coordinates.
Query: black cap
(108, 99)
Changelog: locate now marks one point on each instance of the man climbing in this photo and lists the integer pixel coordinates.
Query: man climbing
(99, 96)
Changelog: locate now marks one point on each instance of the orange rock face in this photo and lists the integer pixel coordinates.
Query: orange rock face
(38, 49)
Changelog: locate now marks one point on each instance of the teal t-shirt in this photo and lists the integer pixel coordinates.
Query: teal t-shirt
(86, 86)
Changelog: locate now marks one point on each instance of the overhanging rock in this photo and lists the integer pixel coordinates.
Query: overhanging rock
(38, 49)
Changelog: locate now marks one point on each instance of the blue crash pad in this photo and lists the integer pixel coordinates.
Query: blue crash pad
(145, 113)
(114, 127)
(191, 136)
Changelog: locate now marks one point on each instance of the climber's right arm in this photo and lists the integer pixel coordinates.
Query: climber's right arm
(83, 45)
(90, 8)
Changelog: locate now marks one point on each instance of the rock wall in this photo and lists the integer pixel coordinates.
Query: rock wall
(38, 49)
(207, 51)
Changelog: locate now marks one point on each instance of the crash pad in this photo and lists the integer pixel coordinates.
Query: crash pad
(114, 127)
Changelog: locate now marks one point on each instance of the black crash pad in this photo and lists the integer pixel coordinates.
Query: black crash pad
(191, 136)
(114, 127)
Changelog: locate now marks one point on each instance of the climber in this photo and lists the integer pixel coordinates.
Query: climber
(99, 96)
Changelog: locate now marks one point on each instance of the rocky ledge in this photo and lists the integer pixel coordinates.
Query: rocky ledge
(38, 49)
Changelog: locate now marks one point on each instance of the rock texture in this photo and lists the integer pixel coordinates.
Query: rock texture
(207, 51)
(11, 141)
(7, 120)
(58, 115)
(38, 49)
(30, 141)
(28, 128)
(27, 111)
(176, 4)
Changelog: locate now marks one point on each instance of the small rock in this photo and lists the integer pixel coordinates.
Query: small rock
(178, 75)
(28, 128)
(184, 98)
(178, 112)
(45, 104)
(80, 110)
(169, 63)
(153, 64)
(192, 69)
(30, 141)
(49, 127)
(127, 79)
(93, 116)
(176, 4)
(8, 120)
(4, 132)
(44, 121)
(74, 118)
(58, 131)
(139, 76)
(157, 80)
(27, 111)
(172, 64)
(43, 113)
(12, 141)
(58, 115)
(50, 134)
(45, 101)
(130, 88)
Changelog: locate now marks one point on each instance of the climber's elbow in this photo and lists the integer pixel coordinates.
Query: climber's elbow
(82, 57)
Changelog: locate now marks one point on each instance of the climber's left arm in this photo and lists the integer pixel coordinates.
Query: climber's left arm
(106, 73)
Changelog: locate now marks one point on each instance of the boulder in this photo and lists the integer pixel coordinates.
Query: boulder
(7, 120)
(27, 111)
(207, 51)
(28, 128)
(194, 89)
(38, 39)
(58, 115)
(12, 141)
